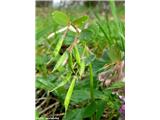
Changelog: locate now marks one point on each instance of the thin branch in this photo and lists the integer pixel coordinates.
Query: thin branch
(49, 107)
(75, 42)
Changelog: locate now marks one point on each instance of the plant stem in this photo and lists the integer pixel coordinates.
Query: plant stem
(91, 82)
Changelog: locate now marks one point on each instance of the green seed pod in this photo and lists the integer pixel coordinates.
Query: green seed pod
(58, 47)
(69, 93)
(77, 55)
(70, 61)
(61, 61)
(82, 68)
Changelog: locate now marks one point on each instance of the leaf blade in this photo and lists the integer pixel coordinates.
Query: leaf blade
(80, 21)
(67, 78)
(60, 18)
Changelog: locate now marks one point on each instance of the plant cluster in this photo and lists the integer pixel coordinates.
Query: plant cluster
(79, 67)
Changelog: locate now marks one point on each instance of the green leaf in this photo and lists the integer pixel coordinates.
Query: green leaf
(60, 18)
(83, 94)
(90, 59)
(75, 114)
(89, 110)
(98, 65)
(43, 83)
(80, 21)
(80, 95)
(116, 85)
(114, 53)
(69, 93)
(87, 35)
(61, 62)
(66, 79)
(100, 107)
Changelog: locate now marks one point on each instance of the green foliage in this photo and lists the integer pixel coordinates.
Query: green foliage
(89, 110)
(68, 64)
(66, 79)
(75, 114)
(37, 116)
(80, 21)
(60, 18)
(117, 85)
(100, 107)
(87, 35)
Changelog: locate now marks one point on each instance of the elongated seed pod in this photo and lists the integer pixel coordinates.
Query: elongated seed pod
(77, 55)
(61, 62)
(70, 61)
(59, 44)
(69, 93)
(66, 79)
(82, 68)
(58, 47)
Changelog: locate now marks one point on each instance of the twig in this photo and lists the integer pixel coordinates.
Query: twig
(73, 44)
(41, 104)
(61, 114)
(43, 98)
(48, 108)
(76, 29)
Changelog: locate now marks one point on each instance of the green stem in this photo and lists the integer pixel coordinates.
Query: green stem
(91, 82)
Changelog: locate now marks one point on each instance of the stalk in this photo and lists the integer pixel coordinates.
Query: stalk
(91, 82)
(91, 88)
